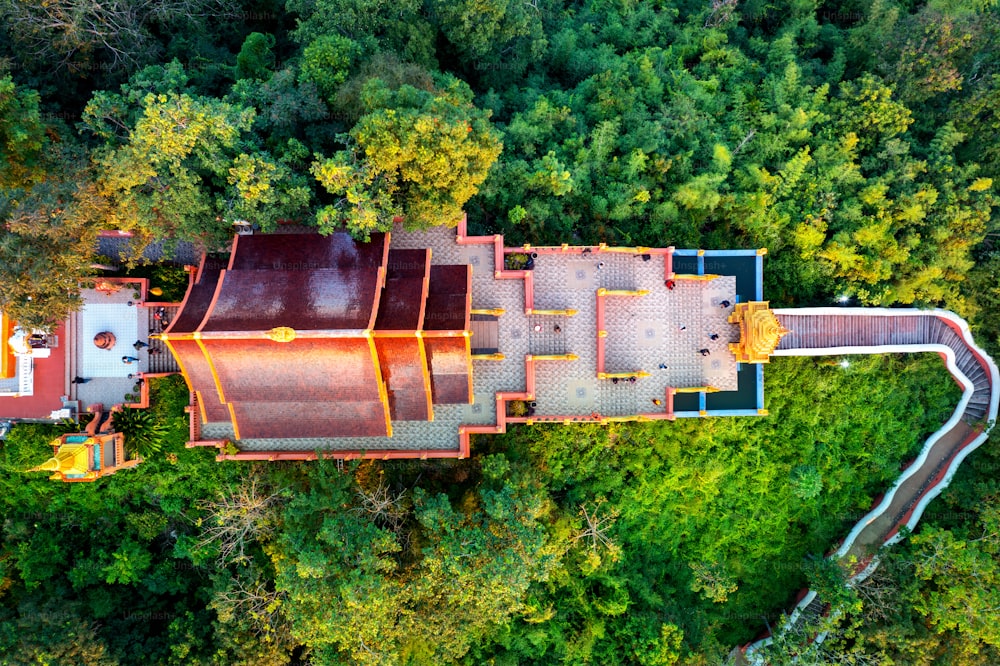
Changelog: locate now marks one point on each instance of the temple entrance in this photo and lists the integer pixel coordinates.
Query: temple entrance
(485, 334)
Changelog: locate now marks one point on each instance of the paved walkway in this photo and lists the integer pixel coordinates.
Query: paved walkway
(874, 535)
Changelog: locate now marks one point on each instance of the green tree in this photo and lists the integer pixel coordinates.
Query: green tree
(961, 577)
(376, 25)
(335, 570)
(425, 152)
(56, 632)
(327, 61)
(477, 567)
(144, 434)
(255, 59)
(47, 245)
(22, 136)
(188, 170)
(155, 180)
(807, 482)
(491, 29)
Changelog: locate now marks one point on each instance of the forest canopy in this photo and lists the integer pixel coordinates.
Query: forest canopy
(858, 142)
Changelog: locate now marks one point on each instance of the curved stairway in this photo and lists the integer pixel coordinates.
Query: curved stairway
(842, 331)
(868, 331)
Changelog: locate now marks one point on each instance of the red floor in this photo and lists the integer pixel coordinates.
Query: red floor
(50, 385)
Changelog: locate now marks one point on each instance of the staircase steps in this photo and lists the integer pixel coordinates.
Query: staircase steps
(811, 331)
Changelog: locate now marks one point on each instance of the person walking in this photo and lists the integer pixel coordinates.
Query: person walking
(129, 360)
(704, 352)
(663, 366)
(139, 344)
(713, 336)
(79, 380)
(724, 304)
(657, 402)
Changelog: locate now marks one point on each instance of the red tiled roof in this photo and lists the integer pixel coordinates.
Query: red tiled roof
(306, 252)
(303, 370)
(196, 302)
(451, 369)
(301, 379)
(338, 298)
(268, 419)
(408, 263)
(403, 368)
(325, 381)
(198, 372)
(448, 300)
(401, 307)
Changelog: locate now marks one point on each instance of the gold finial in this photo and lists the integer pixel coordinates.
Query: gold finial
(281, 334)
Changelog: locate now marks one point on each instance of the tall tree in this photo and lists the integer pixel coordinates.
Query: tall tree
(187, 167)
(419, 153)
(376, 25)
(47, 245)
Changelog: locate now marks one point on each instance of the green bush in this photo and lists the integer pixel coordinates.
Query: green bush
(144, 434)
(173, 280)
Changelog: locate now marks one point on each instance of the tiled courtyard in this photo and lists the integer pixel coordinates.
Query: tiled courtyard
(664, 327)
(109, 382)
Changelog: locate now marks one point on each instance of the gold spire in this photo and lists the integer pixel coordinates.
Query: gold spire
(760, 332)
(69, 459)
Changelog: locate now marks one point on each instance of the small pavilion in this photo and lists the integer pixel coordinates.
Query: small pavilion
(87, 456)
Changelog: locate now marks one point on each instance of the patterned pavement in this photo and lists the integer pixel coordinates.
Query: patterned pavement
(109, 381)
(643, 333)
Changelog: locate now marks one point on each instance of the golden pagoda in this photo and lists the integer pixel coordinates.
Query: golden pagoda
(760, 332)
(87, 456)
(71, 461)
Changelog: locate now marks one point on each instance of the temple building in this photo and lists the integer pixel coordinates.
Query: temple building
(50, 377)
(297, 345)
(302, 336)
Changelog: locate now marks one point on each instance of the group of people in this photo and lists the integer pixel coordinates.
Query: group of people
(632, 380)
(160, 321)
(140, 345)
